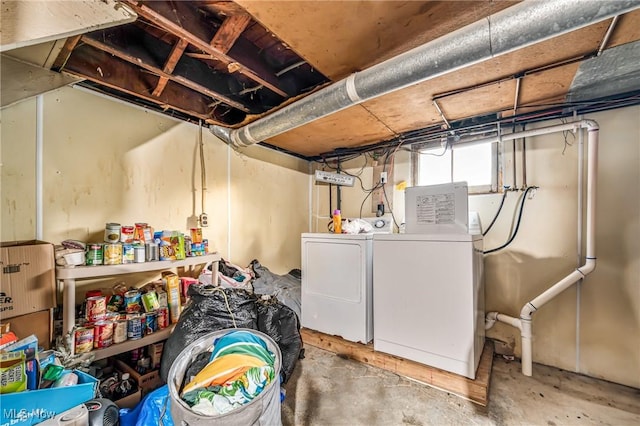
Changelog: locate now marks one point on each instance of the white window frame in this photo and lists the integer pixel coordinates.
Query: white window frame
(496, 166)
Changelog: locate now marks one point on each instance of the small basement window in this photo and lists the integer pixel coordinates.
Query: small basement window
(477, 165)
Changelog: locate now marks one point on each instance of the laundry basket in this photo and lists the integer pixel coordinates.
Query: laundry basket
(262, 410)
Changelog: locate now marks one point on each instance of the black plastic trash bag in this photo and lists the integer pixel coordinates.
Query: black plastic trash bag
(209, 309)
(281, 323)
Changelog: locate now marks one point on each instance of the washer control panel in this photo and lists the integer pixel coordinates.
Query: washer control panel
(380, 225)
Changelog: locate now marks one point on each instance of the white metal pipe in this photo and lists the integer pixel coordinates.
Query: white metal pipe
(39, 165)
(504, 137)
(579, 241)
(605, 39)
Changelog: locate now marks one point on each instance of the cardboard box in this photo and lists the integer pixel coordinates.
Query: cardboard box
(31, 407)
(146, 382)
(38, 324)
(155, 353)
(130, 401)
(28, 280)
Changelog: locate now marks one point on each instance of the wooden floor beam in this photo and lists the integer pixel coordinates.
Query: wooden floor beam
(474, 390)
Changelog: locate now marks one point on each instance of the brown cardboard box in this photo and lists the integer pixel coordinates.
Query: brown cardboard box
(129, 401)
(28, 281)
(38, 323)
(146, 382)
(155, 353)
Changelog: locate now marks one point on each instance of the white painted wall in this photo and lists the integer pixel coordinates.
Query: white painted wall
(596, 330)
(105, 161)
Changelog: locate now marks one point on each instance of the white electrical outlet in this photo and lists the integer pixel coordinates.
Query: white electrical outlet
(204, 220)
(383, 177)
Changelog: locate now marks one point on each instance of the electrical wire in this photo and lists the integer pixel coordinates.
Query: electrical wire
(487, 124)
(504, 197)
(446, 147)
(565, 134)
(393, 217)
(515, 231)
(203, 172)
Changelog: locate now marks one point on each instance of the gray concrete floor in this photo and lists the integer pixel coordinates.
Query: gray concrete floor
(327, 389)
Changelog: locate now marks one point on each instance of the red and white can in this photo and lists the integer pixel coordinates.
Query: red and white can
(102, 334)
(163, 318)
(96, 308)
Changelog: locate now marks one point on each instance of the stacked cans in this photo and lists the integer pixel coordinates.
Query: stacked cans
(136, 244)
(126, 314)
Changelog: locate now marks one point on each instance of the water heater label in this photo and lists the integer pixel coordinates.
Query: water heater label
(437, 209)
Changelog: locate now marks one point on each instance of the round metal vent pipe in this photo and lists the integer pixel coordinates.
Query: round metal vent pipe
(514, 28)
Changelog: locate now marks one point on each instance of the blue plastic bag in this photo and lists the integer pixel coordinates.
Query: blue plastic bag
(154, 409)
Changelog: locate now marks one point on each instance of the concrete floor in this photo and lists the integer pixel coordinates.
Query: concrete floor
(327, 389)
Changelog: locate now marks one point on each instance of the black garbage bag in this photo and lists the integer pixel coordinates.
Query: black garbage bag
(281, 323)
(209, 309)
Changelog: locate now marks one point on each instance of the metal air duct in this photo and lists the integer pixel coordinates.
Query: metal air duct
(514, 28)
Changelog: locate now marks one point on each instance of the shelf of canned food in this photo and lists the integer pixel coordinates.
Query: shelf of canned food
(129, 345)
(104, 346)
(97, 271)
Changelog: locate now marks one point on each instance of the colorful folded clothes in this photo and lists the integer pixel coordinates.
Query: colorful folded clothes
(240, 367)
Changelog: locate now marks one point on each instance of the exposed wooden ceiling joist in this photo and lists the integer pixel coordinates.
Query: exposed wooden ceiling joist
(183, 22)
(233, 62)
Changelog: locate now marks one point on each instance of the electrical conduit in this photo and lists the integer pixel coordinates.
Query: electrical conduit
(524, 323)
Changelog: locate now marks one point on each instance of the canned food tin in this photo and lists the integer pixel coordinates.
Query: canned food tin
(128, 254)
(135, 324)
(112, 233)
(112, 316)
(94, 254)
(83, 338)
(126, 234)
(150, 301)
(187, 246)
(132, 302)
(151, 251)
(102, 334)
(139, 231)
(197, 249)
(150, 322)
(139, 254)
(112, 254)
(120, 331)
(163, 318)
(96, 308)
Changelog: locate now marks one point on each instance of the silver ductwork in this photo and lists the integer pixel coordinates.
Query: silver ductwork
(514, 28)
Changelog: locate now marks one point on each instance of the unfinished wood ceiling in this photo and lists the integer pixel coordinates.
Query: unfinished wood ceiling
(231, 63)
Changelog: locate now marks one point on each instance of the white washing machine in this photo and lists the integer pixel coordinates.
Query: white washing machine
(429, 299)
(337, 272)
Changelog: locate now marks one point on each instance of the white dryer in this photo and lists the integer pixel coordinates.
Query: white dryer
(337, 272)
(429, 299)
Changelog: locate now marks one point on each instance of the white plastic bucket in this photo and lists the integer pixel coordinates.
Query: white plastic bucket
(263, 410)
